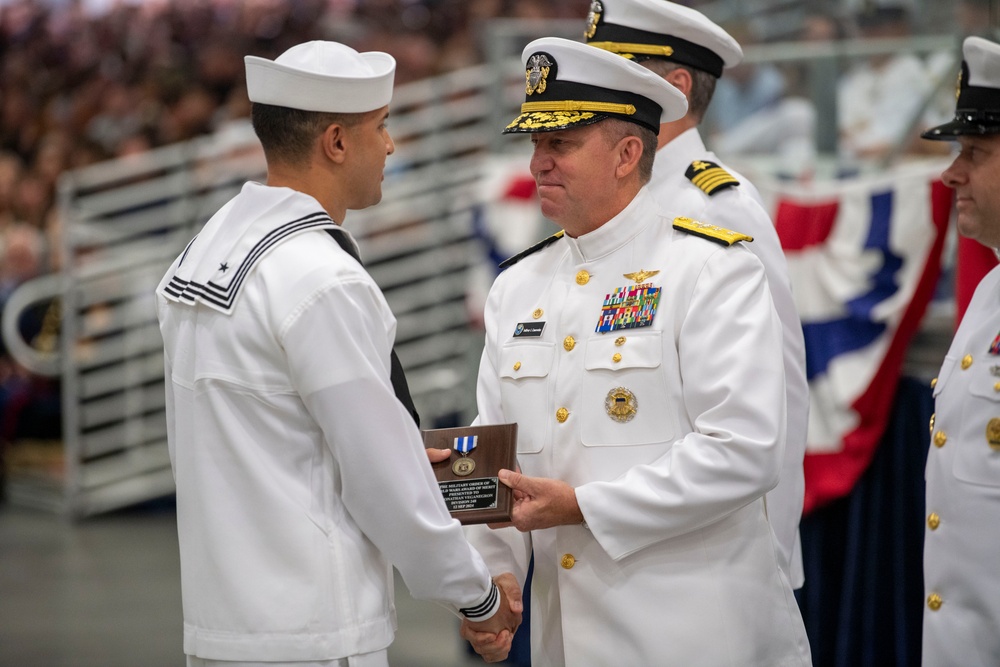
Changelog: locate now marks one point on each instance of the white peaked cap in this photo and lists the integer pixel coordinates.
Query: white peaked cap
(977, 104)
(322, 76)
(685, 34)
(571, 84)
(983, 58)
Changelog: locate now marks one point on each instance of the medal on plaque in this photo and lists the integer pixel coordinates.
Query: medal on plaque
(463, 445)
(469, 478)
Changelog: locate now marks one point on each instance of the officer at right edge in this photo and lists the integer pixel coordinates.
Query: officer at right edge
(962, 538)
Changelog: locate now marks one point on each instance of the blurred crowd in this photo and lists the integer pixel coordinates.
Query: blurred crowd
(82, 81)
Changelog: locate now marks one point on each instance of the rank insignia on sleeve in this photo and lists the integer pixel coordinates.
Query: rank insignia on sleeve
(721, 235)
(710, 177)
(629, 307)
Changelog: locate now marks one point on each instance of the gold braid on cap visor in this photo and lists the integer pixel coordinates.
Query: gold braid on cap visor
(629, 49)
(572, 105)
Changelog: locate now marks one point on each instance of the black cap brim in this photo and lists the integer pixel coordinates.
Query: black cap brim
(960, 127)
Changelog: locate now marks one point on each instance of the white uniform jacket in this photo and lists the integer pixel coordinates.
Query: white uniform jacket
(676, 563)
(961, 542)
(300, 476)
(739, 208)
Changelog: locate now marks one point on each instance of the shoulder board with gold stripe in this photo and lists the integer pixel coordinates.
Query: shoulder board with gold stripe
(533, 249)
(719, 235)
(710, 177)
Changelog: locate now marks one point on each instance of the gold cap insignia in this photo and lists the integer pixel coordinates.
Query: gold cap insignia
(640, 276)
(593, 18)
(621, 405)
(536, 73)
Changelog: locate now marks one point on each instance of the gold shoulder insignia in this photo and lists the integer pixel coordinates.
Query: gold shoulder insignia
(720, 235)
(533, 249)
(710, 177)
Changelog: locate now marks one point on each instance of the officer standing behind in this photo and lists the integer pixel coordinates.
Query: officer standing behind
(961, 566)
(649, 395)
(690, 52)
(301, 479)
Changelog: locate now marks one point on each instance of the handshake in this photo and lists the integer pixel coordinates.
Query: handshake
(492, 638)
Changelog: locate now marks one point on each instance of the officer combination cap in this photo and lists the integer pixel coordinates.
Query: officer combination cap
(569, 84)
(644, 29)
(322, 76)
(977, 110)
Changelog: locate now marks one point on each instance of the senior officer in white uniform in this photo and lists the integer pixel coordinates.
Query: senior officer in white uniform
(300, 477)
(961, 542)
(641, 357)
(690, 52)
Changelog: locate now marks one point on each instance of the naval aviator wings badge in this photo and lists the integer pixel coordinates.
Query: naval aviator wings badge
(640, 276)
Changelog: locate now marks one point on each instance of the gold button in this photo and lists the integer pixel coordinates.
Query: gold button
(517, 365)
(582, 278)
(616, 358)
(933, 383)
(932, 423)
(934, 601)
(620, 341)
(569, 343)
(933, 521)
(568, 561)
(966, 361)
(940, 438)
(562, 414)
(538, 313)
(996, 386)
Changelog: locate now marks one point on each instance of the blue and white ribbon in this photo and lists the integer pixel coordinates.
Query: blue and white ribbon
(465, 444)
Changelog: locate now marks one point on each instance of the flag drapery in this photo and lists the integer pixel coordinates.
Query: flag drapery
(864, 257)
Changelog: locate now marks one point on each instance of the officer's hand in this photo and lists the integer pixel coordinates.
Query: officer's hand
(506, 524)
(540, 502)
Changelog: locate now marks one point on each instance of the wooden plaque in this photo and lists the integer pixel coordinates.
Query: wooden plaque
(469, 483)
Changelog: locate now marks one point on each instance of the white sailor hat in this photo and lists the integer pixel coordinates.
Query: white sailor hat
(977, 109)
(322, 76)
(569, 84)
(643, 29)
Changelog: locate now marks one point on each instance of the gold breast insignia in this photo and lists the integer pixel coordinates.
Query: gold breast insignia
(621, 405)
(640, 276)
